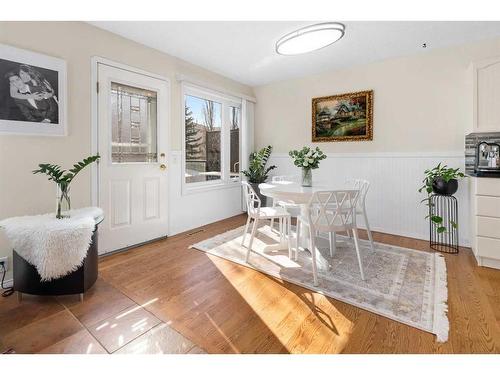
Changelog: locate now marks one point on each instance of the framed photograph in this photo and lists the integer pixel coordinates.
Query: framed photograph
(345, 117)
(32, 93)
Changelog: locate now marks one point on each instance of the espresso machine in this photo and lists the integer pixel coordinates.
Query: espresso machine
(487, 159)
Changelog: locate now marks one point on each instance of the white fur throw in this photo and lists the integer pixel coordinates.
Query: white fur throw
(55, 247)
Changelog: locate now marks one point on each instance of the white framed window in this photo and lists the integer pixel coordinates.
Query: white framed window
(212, 138)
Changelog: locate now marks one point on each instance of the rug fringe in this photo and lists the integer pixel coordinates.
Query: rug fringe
(441, 323)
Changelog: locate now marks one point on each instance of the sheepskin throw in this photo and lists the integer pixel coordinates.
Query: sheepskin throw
(55, 247)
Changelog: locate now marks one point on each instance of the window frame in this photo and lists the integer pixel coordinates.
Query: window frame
(226, 102)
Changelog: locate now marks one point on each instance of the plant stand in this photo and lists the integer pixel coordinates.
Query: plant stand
(445, 206)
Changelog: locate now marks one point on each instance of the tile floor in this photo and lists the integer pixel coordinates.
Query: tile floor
(106, 322)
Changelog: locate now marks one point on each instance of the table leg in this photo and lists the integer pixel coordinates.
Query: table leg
(304, 229)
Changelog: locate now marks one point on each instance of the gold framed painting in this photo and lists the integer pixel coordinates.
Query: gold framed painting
(343, 118)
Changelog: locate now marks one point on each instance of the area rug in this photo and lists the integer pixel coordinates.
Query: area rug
(405, 285)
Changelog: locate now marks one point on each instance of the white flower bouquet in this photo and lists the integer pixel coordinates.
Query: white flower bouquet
(307, 159)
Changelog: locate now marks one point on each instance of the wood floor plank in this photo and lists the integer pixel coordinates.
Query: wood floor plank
(222, 307)
(233, 310)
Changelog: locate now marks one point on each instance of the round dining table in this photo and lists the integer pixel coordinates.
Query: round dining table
(296, 194)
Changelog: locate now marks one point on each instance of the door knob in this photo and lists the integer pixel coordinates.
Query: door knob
(163, 167)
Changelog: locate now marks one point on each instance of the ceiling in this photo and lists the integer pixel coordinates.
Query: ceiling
(244, 51)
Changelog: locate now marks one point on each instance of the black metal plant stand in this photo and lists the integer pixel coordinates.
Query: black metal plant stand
(445, 206)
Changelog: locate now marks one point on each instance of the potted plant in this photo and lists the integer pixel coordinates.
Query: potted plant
(307, 159)
(440, 180)
(63, 178)
(257, 171)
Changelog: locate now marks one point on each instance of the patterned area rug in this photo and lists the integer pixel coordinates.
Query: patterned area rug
(405, 285)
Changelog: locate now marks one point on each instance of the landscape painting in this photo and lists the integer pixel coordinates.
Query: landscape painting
(345, 117)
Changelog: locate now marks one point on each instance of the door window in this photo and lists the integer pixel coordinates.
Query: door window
(133, 124)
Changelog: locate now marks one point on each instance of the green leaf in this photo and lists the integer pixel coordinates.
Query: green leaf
(437, 219)
(61, 176)
(257, 171)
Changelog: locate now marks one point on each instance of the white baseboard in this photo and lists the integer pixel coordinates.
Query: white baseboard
(488, 262)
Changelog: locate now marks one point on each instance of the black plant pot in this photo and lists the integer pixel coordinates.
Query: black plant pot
(263, 198)
(440, 186)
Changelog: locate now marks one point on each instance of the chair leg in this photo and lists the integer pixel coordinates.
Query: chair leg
(245, 232)
(312, 246)
(272, 220)
(368, 228)
(289, 235)
(333, 245)
(280, 225)
(297, 228)
(254, 229)
(356, 244)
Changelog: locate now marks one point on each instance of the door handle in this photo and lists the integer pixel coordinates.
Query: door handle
(163, 167)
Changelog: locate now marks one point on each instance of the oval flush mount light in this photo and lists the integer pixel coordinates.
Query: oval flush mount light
(310, 38)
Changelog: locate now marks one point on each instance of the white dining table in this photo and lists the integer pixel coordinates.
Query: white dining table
(294, 193)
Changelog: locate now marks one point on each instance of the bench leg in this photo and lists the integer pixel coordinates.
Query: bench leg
(81, 297)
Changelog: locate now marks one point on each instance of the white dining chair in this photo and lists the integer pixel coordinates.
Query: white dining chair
(362, 186)
(292, 209)
(258, 213)
(330, 212)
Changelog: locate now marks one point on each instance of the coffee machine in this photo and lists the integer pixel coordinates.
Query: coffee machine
(487, 159)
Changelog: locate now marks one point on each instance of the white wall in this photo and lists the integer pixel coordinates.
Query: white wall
(422, 110)
(195, 209)
(22, 193)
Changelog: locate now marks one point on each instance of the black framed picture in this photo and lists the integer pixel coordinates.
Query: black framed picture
(32, 93)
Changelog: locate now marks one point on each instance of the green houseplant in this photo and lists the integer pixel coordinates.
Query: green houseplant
(440, 180)
(63, 179)
(307, 159)
(258, 171)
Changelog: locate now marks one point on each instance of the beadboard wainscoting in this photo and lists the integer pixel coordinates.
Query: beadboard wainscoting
(393, 202)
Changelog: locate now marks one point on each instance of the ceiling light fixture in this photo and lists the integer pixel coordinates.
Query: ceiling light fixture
(310, 38)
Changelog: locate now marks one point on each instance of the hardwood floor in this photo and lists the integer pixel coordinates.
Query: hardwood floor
(175, 299)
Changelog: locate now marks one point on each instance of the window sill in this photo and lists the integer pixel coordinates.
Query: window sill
(189, 190)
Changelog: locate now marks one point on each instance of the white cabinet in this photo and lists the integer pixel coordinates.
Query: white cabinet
(485, 199)
(486, 89)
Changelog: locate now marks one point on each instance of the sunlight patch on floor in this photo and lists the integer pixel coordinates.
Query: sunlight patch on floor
(334, 326)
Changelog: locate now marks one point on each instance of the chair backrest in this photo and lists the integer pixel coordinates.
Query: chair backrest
(251, 198)
(288, 178)
(362, 186)
(334, 210)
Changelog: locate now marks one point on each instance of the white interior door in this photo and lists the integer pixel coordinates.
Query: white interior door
(132, 142)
